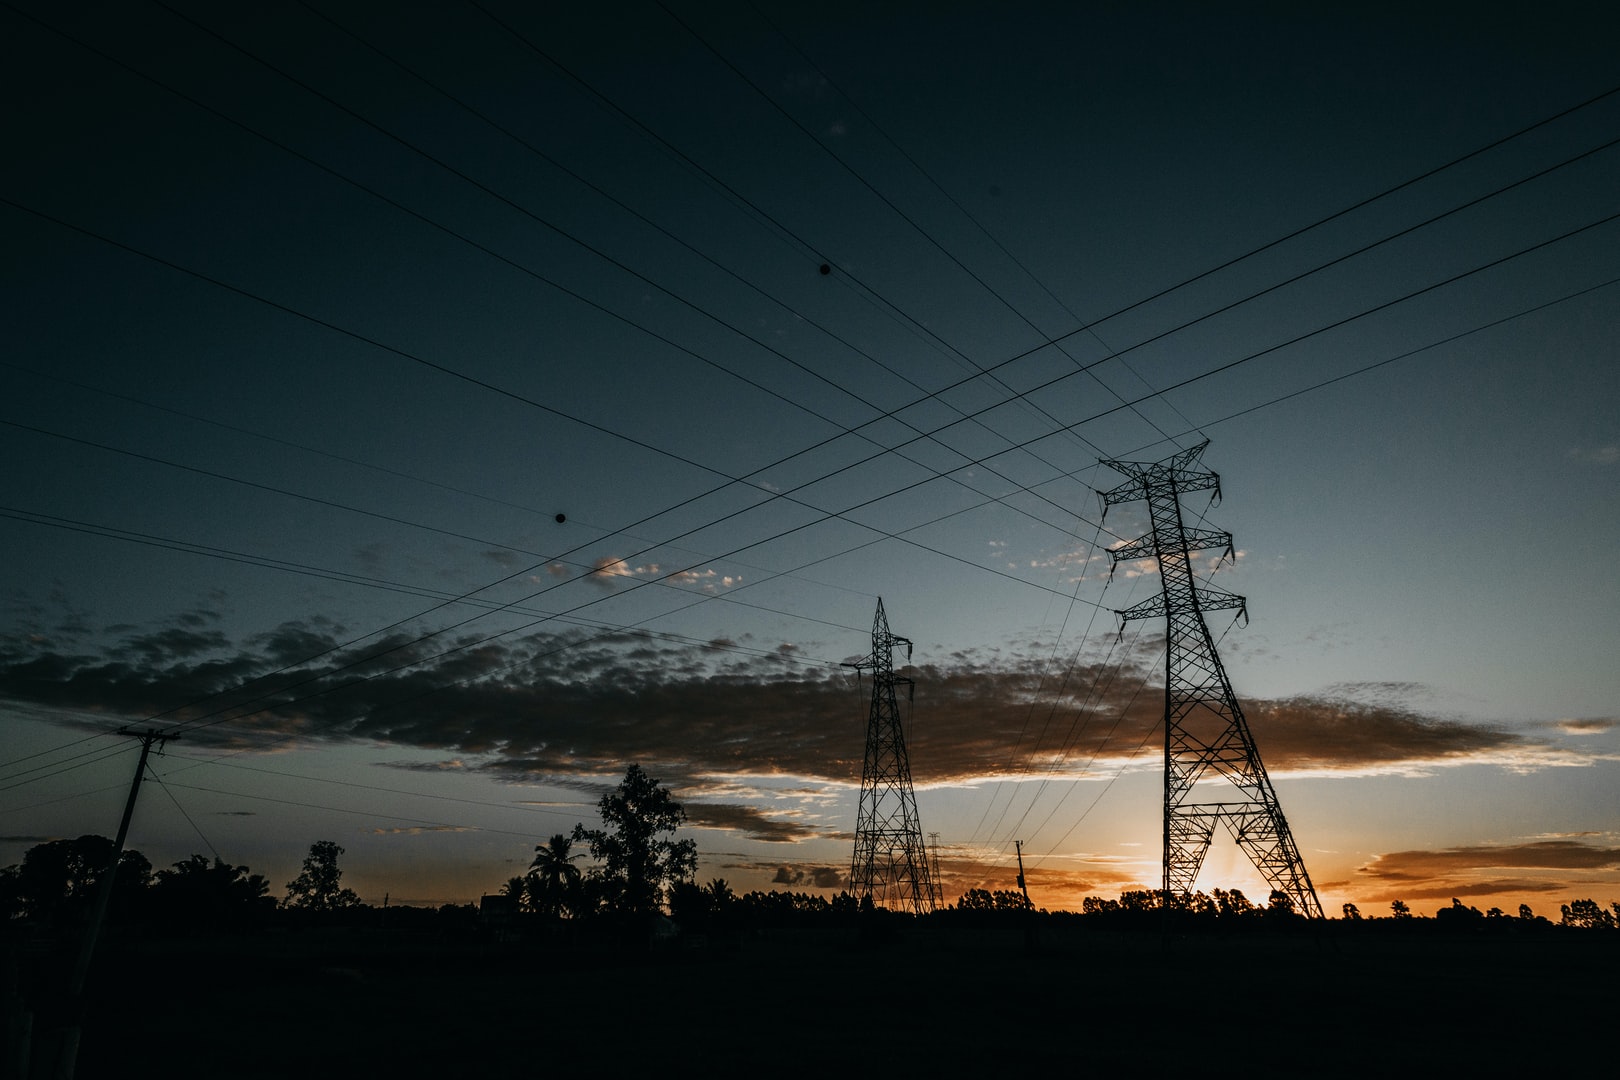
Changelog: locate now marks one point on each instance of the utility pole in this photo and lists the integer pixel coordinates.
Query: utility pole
(68, 1050)
(1208, 750)
(1032, 940)
(890, 866)
(934, 874)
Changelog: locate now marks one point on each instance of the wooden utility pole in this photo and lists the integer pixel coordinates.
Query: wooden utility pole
(1018, 845)
(1031, 933)
(68, 1047)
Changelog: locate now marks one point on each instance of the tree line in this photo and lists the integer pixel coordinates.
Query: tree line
(56, 883)
(639, 869)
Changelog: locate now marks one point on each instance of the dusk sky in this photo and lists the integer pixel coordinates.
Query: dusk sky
(427, 411)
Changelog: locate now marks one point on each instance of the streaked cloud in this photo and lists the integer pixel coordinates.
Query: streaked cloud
(1588, 725)
(1603, 454)
(1556, 866)
(714, 719)
(750, 821)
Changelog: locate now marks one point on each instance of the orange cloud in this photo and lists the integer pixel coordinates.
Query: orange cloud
(1538, 866)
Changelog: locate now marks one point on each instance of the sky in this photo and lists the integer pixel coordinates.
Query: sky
(425, 414)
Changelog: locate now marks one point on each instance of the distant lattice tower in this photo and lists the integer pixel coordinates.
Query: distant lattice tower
(890, 865)
(1212, 771)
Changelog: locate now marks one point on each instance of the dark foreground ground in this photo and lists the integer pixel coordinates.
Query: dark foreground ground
(951, 1001)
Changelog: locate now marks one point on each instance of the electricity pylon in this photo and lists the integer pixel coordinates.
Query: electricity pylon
(1208, 750)
(890, 865)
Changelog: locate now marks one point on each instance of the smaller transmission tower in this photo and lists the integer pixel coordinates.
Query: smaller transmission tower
(890, 866)
(1212, 771)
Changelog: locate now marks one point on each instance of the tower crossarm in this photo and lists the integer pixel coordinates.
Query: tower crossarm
(1179, 474)
(1151, 608)
(1212, 599)
(1206, 539)
(1140, 548)
(1209, 599)
(1153, 546)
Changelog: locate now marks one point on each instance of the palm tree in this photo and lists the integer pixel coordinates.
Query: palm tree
(553, 878)
(517, 889)
(720, 895)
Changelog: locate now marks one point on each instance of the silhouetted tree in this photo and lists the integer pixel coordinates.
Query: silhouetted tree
(319, 887)
(720, 895)
(1280, 905)
(1399, 910)
(1140, 900)
(58, 879)
(1202, 905)
(638, 861)
(1352, 912)
(774, 908)
(688, 904)
(196, 892)
(1586, 914)
(975, 900)
(553, 879)
(11, 905)
(702, 905)
(1459, 915)
(998, 900)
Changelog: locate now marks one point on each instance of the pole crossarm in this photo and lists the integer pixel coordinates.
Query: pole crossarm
(1208, 748)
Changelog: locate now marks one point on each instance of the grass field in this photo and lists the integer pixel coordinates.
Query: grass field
(952, 1001)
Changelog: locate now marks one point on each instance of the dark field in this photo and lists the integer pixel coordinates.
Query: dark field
(1360, 1000)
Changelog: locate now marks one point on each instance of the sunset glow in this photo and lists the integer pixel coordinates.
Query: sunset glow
(426, 414)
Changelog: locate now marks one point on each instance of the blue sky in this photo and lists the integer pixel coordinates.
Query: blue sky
(321, 316)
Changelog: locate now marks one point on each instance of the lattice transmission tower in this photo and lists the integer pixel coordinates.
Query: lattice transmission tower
(890, 866)
(1212, 771)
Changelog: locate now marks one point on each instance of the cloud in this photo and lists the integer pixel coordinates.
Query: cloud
(419, 830)
(1589, 725)
(747, 820)
(1537, 866)
(708, 580)
(605, 569)
(809, 876)
(1607, 454)
(716, 718)
(452, 765)
(300, 640)
(1336, 734)
(167, 646)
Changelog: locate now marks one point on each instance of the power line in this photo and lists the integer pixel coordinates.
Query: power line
(378, 788)
(54, 769)
(423, 822)
(1206, 374)
(1365, 368)
(1280, 399)
(594, 250)
(971, 218)
(984, 462)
